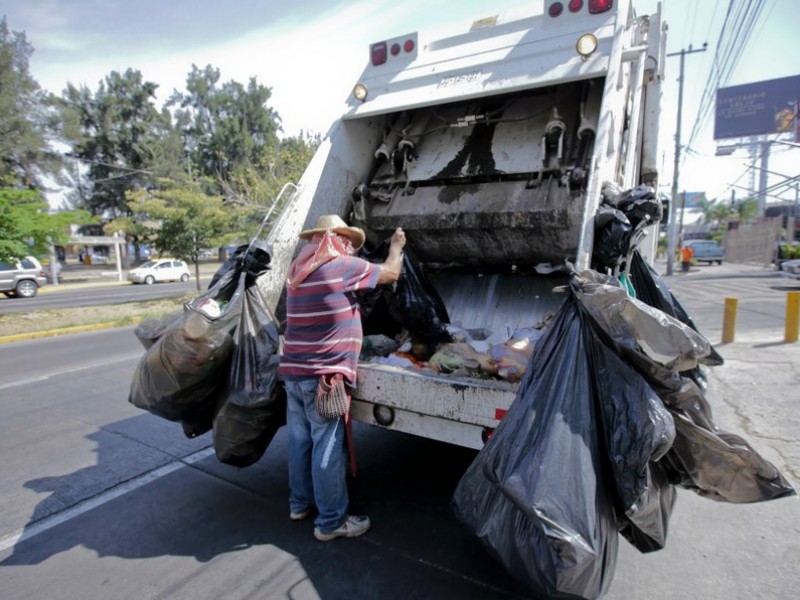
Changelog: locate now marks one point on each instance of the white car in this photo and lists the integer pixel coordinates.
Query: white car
(162, 269)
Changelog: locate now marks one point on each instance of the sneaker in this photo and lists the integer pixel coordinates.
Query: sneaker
(353, 526)
(300, 516)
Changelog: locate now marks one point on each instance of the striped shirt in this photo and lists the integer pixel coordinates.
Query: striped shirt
(323, 320)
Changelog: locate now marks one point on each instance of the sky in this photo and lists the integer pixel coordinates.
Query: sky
(311, 52)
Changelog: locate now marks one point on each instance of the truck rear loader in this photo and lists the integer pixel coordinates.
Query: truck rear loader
(490, 148)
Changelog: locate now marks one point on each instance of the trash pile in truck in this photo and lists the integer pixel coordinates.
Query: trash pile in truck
(610, 415)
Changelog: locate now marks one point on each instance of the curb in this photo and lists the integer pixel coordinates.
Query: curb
(32, 335)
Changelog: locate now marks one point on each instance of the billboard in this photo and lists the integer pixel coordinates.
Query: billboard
(757, 108)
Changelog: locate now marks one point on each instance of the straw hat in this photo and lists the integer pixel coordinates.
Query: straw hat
(335, 222)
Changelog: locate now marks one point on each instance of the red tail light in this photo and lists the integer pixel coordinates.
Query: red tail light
(556, 8)
(378, 53)
(575, 5)
(600, 6)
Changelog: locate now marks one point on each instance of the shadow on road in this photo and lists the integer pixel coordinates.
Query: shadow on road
(415, 549)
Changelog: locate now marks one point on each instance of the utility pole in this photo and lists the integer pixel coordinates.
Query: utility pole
(674, 200)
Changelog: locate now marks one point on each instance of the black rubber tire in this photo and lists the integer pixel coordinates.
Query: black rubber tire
(26, 289)
(184, 277)
(149, 280)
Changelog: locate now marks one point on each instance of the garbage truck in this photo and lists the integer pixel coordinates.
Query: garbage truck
(490, 147)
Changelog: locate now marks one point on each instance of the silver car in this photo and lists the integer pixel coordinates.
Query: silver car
(22, 278)
(162, 269)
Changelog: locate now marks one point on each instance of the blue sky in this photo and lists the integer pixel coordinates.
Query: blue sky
(310, 52)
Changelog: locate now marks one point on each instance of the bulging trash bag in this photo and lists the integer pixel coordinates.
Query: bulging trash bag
(636, 326)
(536, 495)
(150, 330)
(715, 464)
(653, 290)
(618, 220)
(646, 529)
(640, 204)
(177, 377)
(612, 237)
(253, 259)
(255, 406)
(412, 301)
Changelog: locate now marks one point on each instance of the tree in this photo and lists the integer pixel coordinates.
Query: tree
(224, 126)
(121, 138)
(259, 186)
(184, 220)
(26, 227)
(24, 115)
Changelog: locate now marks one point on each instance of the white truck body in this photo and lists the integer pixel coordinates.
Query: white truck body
(489, 148)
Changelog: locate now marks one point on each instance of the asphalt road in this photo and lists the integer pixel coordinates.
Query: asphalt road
(102, 500)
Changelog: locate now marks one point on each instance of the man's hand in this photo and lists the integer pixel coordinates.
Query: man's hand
(390, 270)
(398, 239)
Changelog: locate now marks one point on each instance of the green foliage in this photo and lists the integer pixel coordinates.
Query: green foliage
(121, 138)
(26, 227)
(789, 252)
(224, 126)
(258, 187)
(184, 220)
(24, 116)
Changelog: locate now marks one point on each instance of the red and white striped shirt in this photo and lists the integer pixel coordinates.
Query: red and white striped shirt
(323, 326)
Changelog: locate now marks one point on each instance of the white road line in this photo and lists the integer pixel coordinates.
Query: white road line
(69, 370)
(12, 539)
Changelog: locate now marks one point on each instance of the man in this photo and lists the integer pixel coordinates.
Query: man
(686, 257)
(323, 337)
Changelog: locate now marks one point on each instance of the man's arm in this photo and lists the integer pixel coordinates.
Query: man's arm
(390, 269)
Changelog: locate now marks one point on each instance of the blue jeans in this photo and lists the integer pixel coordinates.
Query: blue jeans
(317, 457)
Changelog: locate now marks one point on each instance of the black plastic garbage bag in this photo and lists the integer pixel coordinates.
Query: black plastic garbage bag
(720, 465)
(612, 237)
(537, 496)
(636, 327)
(412, 301)
(653, 290)
(178, 376)
(150, 330)
(255, 407)
(640, 204)
(715, 464)
(636, 425)
(253, 259)
(647, 529)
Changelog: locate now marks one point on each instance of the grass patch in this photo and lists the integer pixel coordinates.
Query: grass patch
(122, 314)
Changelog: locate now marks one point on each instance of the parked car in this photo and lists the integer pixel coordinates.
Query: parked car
(162, 269)
(706, 251)
(791, 268)
(23, 278)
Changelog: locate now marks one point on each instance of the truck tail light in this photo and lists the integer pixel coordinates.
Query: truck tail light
(600, 6)
(378, 53)
(555, 9)
(575, 5)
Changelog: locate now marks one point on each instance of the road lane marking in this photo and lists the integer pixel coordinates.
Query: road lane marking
(84, 506)
(68, 371)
